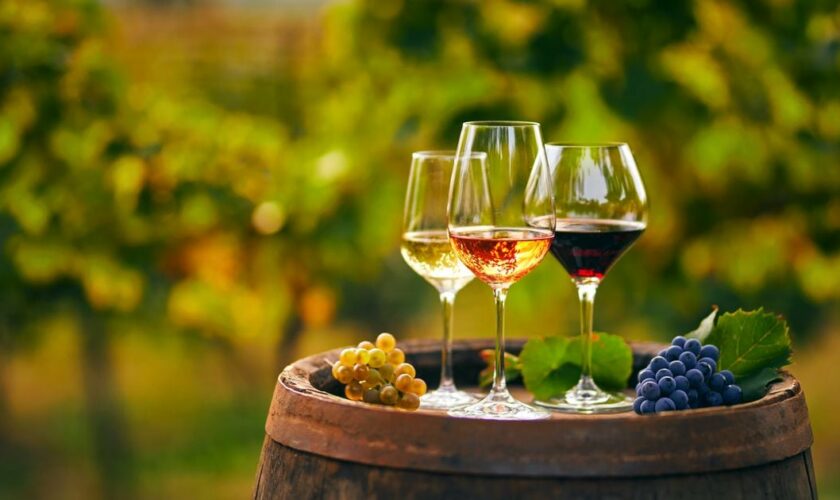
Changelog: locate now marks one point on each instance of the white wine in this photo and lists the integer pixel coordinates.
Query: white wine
(431, 256)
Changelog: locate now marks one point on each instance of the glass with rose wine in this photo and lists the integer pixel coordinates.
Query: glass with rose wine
(501, 223)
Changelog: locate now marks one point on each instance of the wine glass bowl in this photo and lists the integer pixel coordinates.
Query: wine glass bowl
(501, 223)
(601, 209)
(427, 250)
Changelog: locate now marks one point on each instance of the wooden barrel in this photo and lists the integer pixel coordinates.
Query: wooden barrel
(320, 445)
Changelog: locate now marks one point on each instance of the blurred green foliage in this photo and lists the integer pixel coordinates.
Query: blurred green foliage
(242, 199)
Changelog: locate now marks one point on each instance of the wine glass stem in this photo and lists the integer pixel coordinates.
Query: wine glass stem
(447, 300)
(499, 382)
(586, 294)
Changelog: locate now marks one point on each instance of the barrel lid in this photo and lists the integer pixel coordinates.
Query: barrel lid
(305, 416)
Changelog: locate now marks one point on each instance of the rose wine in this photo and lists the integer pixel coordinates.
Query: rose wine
(500, 256)
(431, 256)
(587, 248)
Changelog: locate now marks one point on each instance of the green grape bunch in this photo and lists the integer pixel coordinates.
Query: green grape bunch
(377, 373)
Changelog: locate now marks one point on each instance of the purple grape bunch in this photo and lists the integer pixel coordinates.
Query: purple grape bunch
(684, 375)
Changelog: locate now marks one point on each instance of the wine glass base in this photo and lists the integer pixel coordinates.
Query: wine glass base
(500, 406)
(446, 399)
(589, 402)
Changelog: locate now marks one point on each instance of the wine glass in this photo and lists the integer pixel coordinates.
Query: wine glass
(501, 223)
(602, 210)
(427, 250)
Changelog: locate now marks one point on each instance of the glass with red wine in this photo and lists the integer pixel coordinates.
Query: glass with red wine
(601, 210)
(501, 224)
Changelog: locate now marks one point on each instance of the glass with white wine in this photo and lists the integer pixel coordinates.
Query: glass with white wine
(427, 250)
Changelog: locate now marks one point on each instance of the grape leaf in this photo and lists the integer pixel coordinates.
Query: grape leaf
(612, 360)
(539, 358)
(555, 382)
(551, 365)
(755, 386)
(704, 328)
(750, 342)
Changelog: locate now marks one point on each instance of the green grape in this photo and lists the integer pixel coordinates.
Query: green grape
(377, 357)
(403, 382)
(371, 396)
(405, 368)
(388, 395)
(362, 356)
(374, 379)
(360, 372)
(386, 342)
(396, 356)
(366, 345)
(344, 374)
(387, 372)
(409, 401)
(335, 368)
(353, 391)
(348, 357)
(374, 376)
(418, 386)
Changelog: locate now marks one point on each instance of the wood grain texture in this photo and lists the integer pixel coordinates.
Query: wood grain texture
(286, 473)
(307, 415)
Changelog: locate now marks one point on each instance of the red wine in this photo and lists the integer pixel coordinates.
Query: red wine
(587, 248)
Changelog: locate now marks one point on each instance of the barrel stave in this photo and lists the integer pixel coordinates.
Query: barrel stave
(290, 474)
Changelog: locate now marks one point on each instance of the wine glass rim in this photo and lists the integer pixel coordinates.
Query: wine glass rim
(500, 123)
(448, 154)
(434, 153)
(601, 144)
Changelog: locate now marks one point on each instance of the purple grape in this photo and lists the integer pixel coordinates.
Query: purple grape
(663, 373)
(678, 341)
(706, 369)
(677, 367)
(665, 404)
(667, 385)
(693, 346)
(710, 351)
(658, 363)
(717, 382)
(732, 395)
(638, 389)
(682, 383)
(693, 396)
(695, 377)
(688, 359)
(730, 378)
(680, 399)
(650, 390)
(710, 362)
(646, 374)
(637, 405)
(673, 353)
(714, 398)
(647, 407)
